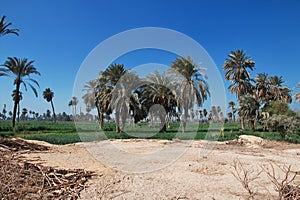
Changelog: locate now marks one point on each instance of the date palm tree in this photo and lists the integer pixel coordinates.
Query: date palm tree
(236, 68)
(262, 86)
(89, 97)
(278, 90)
(73, 102)
(193, 87)
(248, 109)
(21, 70)
(48, 94)
(4, 28)
(158, 91)
(110, 77)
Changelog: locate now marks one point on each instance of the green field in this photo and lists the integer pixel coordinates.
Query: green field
(68, 132)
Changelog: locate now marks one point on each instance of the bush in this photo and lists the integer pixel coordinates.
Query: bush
(282, 124)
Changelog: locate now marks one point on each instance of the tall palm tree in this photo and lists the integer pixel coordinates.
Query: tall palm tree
(123, 99)
(4, 28)
(158, 91)
(231, 105)
(48, 95)
(192, 85)
(111, 76)
(236, 68)
(21, 70)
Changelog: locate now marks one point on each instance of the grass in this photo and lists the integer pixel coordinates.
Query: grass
(68, 132)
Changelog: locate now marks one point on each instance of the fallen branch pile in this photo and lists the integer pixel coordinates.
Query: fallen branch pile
(24, 180)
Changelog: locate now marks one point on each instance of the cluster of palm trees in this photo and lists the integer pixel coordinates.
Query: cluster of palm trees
(163, 95)
(21, 70)
(253, 93)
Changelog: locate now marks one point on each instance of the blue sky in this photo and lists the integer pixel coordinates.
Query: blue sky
(59, 34)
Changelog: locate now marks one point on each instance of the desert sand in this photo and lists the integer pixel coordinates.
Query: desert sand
(199, 169)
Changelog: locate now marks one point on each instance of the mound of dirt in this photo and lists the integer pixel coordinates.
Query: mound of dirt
(248, 140)
(17, 144)
(24, 180)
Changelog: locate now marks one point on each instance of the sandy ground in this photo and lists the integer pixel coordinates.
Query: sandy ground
(158, 169)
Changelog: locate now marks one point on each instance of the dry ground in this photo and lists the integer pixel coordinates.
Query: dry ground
(203, 171)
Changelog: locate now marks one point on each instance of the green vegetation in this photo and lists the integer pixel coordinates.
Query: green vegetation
(66, 133)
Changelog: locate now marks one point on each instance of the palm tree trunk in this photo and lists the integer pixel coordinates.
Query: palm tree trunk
(16, 105)
(100, 118)
(233, 116)
(163, 123)
(253, 125)
(54, 115)
(185, 116)
(18, 112)
(243, 123)
(14, 114)
(117, 115)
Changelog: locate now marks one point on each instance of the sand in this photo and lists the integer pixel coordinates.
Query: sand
(159, 169)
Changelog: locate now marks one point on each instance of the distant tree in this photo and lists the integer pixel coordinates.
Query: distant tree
(236, 68)
(231, 105)
(73, 102)
(4, 28)
(4, 111)
(89, 97)
(205, 112)
(48, 114)
(10, 114)
(24, 113)
(48, 95)
(21, 70)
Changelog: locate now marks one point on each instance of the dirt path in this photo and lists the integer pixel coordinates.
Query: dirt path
(194, 175)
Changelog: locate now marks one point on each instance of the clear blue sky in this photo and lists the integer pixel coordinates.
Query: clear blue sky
(59, 34)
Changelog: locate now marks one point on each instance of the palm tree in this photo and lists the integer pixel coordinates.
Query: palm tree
(263, 87)
(89, 97)
(248, 108)
(4, 30)
(192, 85)
(236, 70)
(231, 105)
(158, 91)
(73, 102)
(48, 95)
(110, 77)
(124, 98)
(21, 70)
(278, 90)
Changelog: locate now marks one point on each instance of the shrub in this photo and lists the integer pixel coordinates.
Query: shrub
(282, 124)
